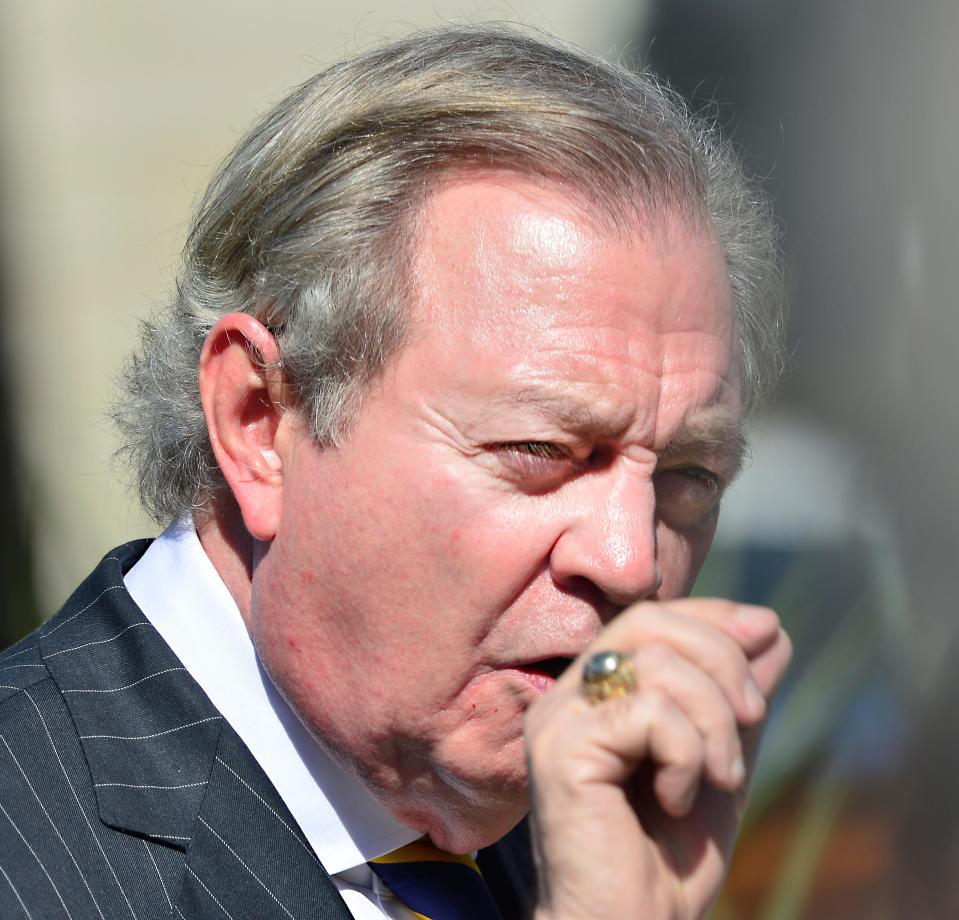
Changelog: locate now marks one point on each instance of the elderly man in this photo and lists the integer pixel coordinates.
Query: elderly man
(442, 412)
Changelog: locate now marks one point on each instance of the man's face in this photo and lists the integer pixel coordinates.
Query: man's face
(549, 447)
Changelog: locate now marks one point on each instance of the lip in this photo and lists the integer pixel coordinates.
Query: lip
(539, 681)
(542, 673)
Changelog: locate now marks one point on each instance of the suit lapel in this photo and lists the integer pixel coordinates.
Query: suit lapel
(148, 733)
(166, 766)
(248, 857)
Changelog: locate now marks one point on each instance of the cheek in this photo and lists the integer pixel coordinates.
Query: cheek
(462, 528)
(376, 524)
(485, 734)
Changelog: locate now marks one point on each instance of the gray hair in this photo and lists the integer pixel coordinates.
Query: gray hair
(307, 225)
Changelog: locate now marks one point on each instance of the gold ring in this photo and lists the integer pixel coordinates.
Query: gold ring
(607, 675)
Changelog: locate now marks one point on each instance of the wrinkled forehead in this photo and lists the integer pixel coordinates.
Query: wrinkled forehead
(516, 288)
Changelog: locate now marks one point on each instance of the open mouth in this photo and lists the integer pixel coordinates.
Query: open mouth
(551, 667)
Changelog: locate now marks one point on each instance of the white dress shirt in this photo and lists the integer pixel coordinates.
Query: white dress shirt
(180, 592)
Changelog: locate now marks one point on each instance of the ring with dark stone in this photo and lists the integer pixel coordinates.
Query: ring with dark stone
(607, 675)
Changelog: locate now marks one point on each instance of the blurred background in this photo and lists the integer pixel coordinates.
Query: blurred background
(112, 118)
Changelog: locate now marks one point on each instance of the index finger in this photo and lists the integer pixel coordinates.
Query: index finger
(754, 628)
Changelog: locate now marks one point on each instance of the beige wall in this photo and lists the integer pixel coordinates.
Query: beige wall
(113, 115)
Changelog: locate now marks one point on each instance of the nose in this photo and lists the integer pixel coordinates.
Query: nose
(610, 538)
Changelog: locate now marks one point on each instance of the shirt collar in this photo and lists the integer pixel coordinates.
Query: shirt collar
(180, 592)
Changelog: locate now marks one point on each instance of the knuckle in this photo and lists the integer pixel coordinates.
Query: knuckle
(652, 657)
(727, 661)
(721, 723)
(723, 607)
(656, 704)
(720, 731)
(654, 707)
(692, 746)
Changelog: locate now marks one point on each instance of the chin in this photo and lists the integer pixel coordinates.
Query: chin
(461, 811)
(472, 830)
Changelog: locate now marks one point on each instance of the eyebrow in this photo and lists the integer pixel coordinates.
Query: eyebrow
(714, 437)
(570, 413)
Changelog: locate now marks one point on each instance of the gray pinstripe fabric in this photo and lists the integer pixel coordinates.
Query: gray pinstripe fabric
(123, 793)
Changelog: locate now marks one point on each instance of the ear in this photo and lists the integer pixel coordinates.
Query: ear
(241, 390)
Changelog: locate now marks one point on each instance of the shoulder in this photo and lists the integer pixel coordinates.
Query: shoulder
(26, 663)
(21, 666)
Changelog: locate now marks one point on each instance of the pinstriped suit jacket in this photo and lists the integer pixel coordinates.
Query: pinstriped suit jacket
(125, 794)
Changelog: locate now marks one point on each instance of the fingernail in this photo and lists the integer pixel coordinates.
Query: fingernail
(755, 701)
(738, 771)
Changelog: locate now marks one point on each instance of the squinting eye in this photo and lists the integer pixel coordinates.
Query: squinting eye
(536, 463)
(687, 495)
(711, 480)
(537, 449)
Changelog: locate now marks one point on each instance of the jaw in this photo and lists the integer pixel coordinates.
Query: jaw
(462, 820)
(465, 791)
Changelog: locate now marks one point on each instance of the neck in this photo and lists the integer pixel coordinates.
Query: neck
(232, 551)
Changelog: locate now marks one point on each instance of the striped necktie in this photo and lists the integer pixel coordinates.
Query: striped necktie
(436, 885)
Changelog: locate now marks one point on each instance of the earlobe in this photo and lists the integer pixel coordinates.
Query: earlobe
(241, 390)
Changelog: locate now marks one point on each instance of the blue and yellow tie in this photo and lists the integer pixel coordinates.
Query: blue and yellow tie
(436, 885)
